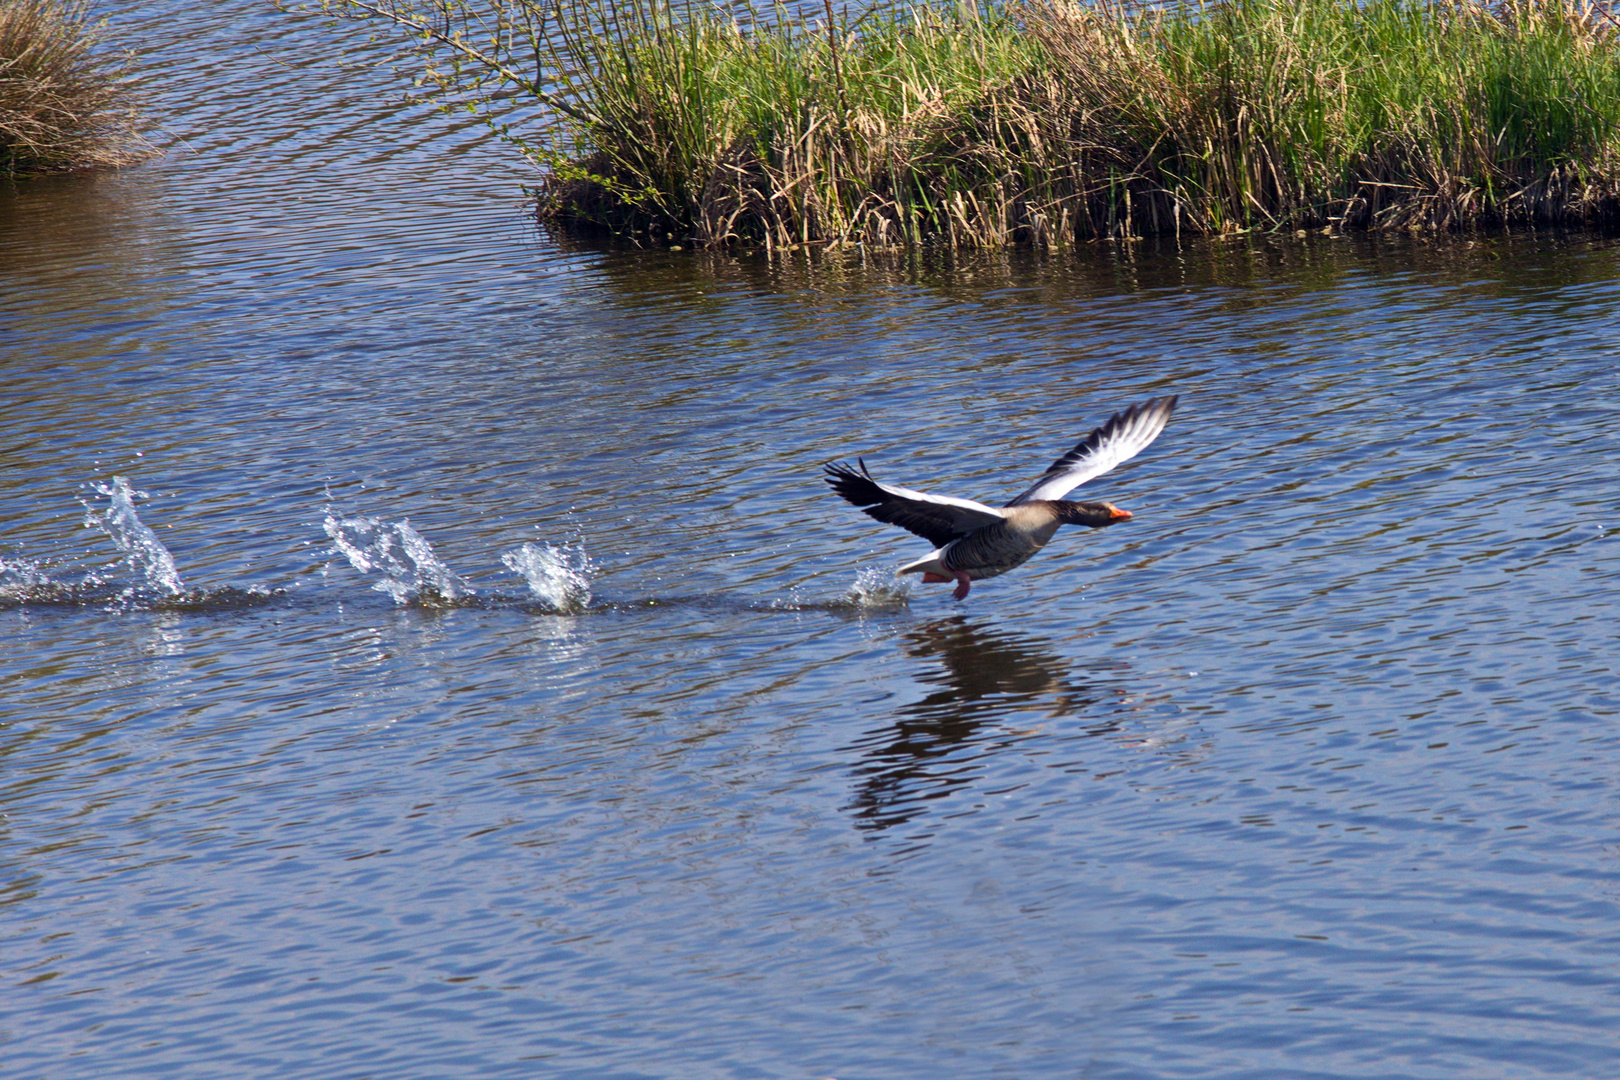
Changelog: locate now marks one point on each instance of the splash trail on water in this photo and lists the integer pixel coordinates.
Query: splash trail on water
(400, 560)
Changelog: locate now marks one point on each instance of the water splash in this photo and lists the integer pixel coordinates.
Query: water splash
(558, 576)
(21, 581)
(879, 588)
(148, 559)
(20, 573)
(401, 554)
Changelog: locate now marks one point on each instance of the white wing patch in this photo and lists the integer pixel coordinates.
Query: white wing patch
(1125, 435)
(969, 514)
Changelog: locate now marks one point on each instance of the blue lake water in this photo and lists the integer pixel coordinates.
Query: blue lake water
(522, 704)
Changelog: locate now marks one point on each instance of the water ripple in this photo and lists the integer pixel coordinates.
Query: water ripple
(1305, 771)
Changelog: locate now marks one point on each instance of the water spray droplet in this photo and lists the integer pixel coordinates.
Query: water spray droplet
(558, 576)
(878, 587)
(148, 559)
(410, 569)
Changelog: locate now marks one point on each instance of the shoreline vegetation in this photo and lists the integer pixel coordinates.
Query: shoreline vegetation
(1039, 122)
(64, 103)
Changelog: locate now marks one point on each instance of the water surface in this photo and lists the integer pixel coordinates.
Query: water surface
(522, 704)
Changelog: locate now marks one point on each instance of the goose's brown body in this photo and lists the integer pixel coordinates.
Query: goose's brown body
(1007, 544)
(974, 541)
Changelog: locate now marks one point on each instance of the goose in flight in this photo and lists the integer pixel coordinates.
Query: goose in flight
(973, 541)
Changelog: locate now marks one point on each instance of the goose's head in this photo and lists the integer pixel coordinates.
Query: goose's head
(1096, 515)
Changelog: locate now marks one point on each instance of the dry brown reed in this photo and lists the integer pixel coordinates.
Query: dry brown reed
(64, 102)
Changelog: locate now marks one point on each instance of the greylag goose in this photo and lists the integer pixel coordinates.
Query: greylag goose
(973, 541)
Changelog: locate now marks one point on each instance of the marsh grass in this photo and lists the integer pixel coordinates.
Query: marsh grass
(64, 103)
(780, 131)
(1046, 122)
(1386, 114)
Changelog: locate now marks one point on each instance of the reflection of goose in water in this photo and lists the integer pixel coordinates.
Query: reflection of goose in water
(981, 676)
(974, 541)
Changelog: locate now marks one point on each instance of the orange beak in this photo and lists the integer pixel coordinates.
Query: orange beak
(1116, 514)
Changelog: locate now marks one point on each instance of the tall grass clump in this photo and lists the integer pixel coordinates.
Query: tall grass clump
(1385, 113)
(1043, 121)
(780, 131)
(63, 103)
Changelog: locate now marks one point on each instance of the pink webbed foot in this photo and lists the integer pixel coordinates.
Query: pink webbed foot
(963, 582)
(962, 585)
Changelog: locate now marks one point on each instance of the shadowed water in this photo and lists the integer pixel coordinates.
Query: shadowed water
(429, 651)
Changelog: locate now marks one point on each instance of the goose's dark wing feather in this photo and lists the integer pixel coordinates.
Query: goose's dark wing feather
(1125, 435)
(938, 519)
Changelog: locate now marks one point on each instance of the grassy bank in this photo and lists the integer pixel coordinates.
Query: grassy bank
(1044, 122)
(63, 104)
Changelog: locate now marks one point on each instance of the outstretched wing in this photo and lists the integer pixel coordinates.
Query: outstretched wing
(936, 518)
(1125, 435)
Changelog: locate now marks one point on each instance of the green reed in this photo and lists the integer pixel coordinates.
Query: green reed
(63, 102)
(1043, 121)
(1325, 112)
